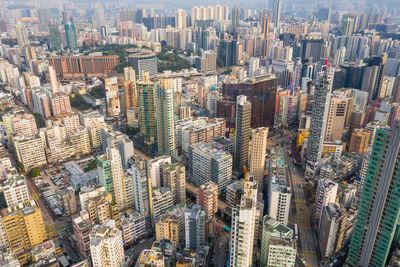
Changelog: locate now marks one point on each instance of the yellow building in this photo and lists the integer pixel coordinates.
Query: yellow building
(167, 227)
(24, 227)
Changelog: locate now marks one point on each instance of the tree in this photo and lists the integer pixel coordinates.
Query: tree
(40, 122)
(79, 103)
(19, 165)
(34, 172)
(98, 91)
(91, 166)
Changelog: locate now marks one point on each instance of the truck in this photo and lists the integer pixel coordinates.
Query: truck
(226, 229)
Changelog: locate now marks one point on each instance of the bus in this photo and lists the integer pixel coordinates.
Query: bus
(296, 231)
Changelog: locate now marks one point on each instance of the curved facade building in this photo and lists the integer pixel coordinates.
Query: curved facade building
(143, 60)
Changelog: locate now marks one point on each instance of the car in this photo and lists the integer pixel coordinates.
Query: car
(220, 245)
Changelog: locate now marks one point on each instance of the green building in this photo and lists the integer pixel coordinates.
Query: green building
(379, 207)
(70, 36)
(147, 111)
(104, 171)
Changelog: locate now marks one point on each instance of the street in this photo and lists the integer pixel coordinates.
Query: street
(306, 238)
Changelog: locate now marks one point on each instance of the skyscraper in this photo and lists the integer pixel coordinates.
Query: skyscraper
(235, 18)
(22, 35)
(117, 176)
(257, 154)
(147, 110)
(165, 118)
(277, 12)
(318, 122)
(243, 227)
(70, 36)
(44, 15)
(242, 132)
(99, 16)
(194, 227)
(379, 209)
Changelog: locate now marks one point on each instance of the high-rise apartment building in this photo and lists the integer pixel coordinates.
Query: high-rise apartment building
(174, 177)
(106, 246)
(331, 230)
(55, 38)
(359, 142)
(378, 211)
(112, 97)
(277, 12)
(279, 190)
(164, 96)
(53, 80)
(242, 132)
(161, 200)
(156, 170)
(180, 19)
(257, 154)
(15, 190)
(60, 104)
(209, 164)
(142, 188)
(243, 227)
(82, 226)
(278, 246)
(326, 194)
(235, 18)
(147, 110)
(22, 35)
(194, 227)
(24, 227)
(117, 177)
(318, 122)
(30, 151)
(110, 137)
(24, 125)
(207, 198)
(167, 227)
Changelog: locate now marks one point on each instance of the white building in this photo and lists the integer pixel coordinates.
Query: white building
(155, 169)
(326, 193)
(106, 245)
(278, 247)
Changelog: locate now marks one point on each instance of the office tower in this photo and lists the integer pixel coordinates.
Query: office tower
(318, 122)
(348, 26)
(60, 104)
(167, 227)
(359, 142)
(277, 12)
(311, 49)
(161, 202)
(337, 117)
(235, 19)
(143, 61)
(242, 132)
(207, 198)
(151, 257)
(165, 118)
(24, 227)
(70, 36)
(194, 227)
(326, 194)
(331, 230)
(112, 97)
(30, 151)
(156, 170)
(227, 53)
(99, 16)
(106, 247)
(260, 91)
(278, 246)
(22, 35)
(53, 80)
(257, 154)
(373, 76)
(147, 110)
(279, 190)
(243, 227)
(180, 19)
(142, 188)
(209, 164)
(378, 210)
(174, 177)
(117, 177)
(132, 14)
(55, 38)
(44, 15)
